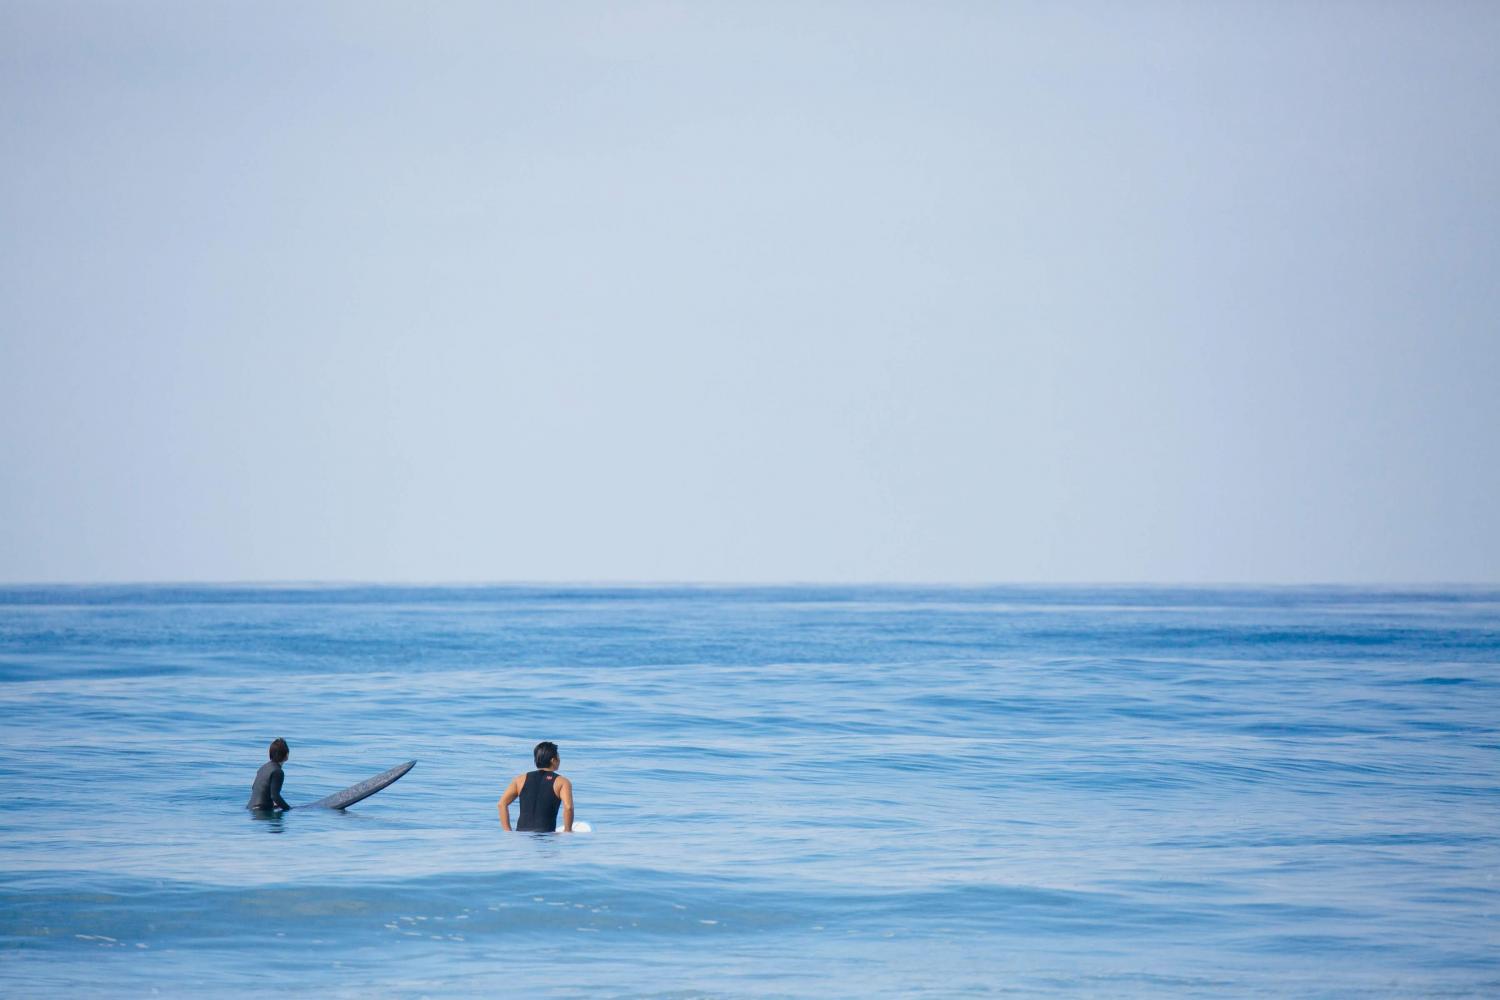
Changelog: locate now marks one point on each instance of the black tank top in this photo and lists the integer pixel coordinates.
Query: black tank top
(539, 802)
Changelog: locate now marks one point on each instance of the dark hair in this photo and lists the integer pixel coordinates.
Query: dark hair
(279, 750)
(545, 753)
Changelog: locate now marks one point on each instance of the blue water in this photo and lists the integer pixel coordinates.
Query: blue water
(863, 791)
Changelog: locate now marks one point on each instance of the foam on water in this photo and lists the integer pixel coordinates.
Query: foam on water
(849, 791)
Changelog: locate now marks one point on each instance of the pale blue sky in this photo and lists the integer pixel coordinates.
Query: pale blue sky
(752, 291)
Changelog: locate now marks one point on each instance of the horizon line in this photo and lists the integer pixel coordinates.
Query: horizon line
(688, 583)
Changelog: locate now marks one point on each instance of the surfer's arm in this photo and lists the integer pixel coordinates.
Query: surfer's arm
(276, 779)
(565, 792)
(512, 791)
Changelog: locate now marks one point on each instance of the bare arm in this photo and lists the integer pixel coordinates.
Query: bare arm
(565, 792)
(512, 791)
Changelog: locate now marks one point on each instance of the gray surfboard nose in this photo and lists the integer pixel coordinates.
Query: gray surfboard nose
(363, 790)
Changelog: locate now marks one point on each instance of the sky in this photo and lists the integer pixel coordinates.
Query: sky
(755, 291)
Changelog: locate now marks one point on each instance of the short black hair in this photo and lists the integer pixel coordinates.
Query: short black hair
(279, 750)
(545, 753)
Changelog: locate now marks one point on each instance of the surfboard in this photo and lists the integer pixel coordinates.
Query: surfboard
(579, 826)
(363, 790)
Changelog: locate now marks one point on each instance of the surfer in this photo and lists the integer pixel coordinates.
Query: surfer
(265, 794)
(541, 792)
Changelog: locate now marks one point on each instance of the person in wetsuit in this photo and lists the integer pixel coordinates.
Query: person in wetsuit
(265, 794)
(541, 792)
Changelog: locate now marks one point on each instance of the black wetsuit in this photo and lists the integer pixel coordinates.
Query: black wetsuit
(539, 802)
(266, 792)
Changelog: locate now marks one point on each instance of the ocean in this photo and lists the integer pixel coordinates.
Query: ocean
(857, 791)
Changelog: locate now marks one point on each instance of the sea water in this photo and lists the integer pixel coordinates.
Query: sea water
(830, 791)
